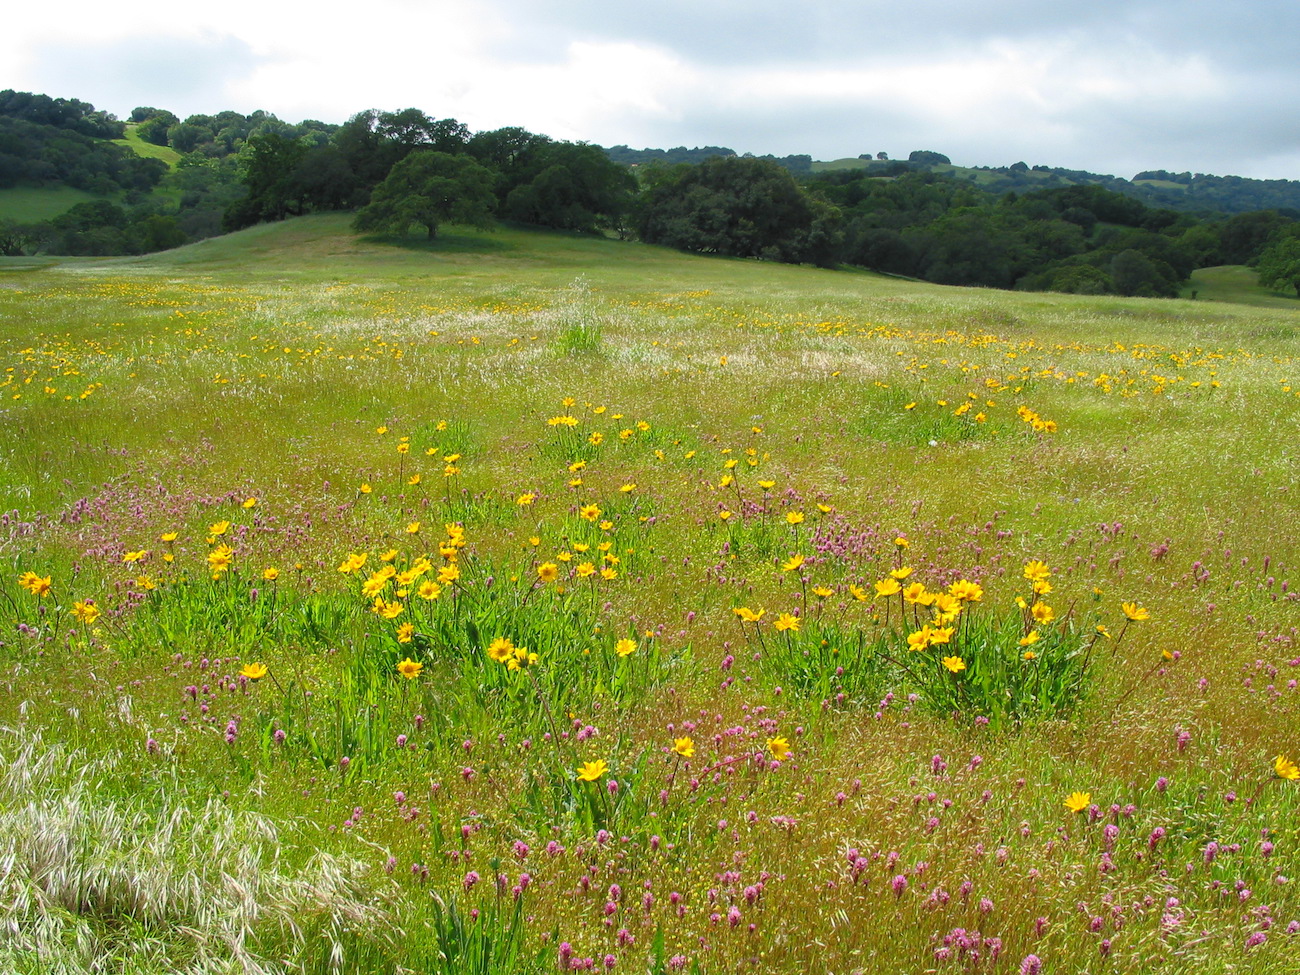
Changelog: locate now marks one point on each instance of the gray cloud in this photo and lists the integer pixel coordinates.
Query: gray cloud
(177, 73)
(1105, 85)
(1241, 62)
(781, 32)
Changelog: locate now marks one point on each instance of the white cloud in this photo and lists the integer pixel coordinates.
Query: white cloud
(1104, 85)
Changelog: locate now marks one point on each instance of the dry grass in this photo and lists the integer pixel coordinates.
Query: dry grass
(92, 881)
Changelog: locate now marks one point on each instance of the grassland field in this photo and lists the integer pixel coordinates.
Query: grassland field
(24, 204)
(523, 602)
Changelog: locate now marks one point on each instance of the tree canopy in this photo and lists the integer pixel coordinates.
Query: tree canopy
(429, 188)
(570, 186)
(1279, 264)
(61, 113)
(738, 206)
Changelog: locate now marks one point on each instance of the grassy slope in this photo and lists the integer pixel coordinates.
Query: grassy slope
(1237, 284)
(137, 145)
(846, 163)
(30, 204)
(322, 248)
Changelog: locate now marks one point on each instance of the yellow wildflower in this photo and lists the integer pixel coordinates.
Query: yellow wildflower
(966, 591)
(1077, 802)
(1135, 612)
(888, 587)
(352, 563)
(85, 612)
(388, 611)
(915, 593)
(787, 622)
(920, 639)
(501, 649)
(1036, 571)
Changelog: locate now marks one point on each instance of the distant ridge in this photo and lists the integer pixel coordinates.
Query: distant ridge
(1186, 192)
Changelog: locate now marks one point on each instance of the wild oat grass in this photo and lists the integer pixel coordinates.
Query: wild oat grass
(152, 883)
(372, 608)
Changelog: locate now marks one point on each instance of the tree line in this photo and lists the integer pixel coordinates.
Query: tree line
(47, 140)
(403, 170)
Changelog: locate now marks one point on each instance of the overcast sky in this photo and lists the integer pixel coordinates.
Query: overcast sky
(1107, 86)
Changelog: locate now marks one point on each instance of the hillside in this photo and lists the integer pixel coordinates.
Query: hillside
(1184, 192)
(147, 150)
(323, 249)
(159, 181)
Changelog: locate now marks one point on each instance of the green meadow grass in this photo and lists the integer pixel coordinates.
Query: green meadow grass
(25, 204)
(587, 464)
(1236, 284)
(137, 145)
(833, 165)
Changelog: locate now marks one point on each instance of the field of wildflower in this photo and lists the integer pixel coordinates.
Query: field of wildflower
(533, 603)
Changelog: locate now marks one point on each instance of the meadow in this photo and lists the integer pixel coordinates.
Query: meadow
(24, 204)
(530, 603)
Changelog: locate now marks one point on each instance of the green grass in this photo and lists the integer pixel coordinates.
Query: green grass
(137, 145)
(1236, 284)
(1161, 184)
(692, 426)
(834, 165)
(26, 204)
